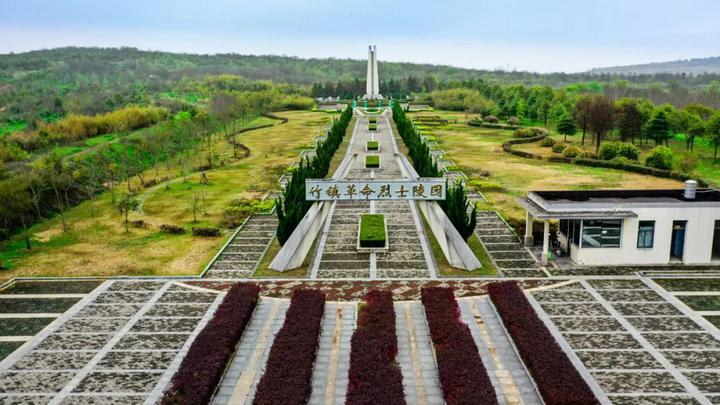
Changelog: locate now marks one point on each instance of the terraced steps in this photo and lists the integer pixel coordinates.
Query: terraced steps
(509, 255)
(244, 252)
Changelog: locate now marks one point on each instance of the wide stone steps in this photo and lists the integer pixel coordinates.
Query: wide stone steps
(509, 255)
(332, 362)
(246, 368)
(415, 355)
(245, 251)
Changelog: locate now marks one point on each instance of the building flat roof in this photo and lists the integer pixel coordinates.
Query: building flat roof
(628, 196)
(539, 212)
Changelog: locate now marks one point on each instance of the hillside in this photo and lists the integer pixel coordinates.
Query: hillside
(688, 66)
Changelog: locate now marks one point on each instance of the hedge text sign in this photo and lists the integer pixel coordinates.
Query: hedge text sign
(329, 190)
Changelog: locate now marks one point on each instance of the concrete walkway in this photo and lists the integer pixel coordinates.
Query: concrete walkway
(330, 372)
(409, 256)
(415, 355)
(238, 385)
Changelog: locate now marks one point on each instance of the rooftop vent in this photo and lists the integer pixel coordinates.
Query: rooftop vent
(690, 189)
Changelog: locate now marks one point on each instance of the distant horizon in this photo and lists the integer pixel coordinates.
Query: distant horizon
(381, 60)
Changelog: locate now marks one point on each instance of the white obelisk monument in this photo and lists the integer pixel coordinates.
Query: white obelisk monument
(372, 88)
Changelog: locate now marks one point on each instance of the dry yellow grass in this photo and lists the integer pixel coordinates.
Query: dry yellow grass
(97, 244)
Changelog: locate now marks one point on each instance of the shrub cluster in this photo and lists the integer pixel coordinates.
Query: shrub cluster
(611, 150)
(288, 372)
(572, 152)
(558, 148)
(660, 157)
(204, 364)
(172, 229)
(491, 119)
(292, 206)
(547, 142)
(555, 376)
(374, 376)
(463, 377)
(207, 232)
(523, 133)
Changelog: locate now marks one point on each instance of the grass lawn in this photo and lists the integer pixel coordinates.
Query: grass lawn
(264, 271)
(97, 245)
(478, 151)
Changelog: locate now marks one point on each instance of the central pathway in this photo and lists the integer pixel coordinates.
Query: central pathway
(409, 255)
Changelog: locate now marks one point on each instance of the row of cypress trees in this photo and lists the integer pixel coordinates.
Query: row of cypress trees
(419, 151)
(292, 206)
(455, 204)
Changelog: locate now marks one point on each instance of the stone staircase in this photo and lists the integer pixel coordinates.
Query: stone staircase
(405, 258)
(340, 258)
(245, 251)
(510, 256)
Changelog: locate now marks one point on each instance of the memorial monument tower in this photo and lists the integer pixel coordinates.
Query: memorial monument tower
(372, 88)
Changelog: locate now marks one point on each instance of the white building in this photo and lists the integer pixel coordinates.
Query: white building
(630, 227)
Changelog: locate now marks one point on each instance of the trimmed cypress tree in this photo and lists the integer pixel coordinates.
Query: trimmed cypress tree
(291, 207)
(456, 207)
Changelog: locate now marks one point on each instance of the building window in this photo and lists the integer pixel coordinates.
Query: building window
(601, 233)
(646, 234)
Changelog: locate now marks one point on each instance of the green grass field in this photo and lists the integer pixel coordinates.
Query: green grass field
(478, 152)
(96, 243)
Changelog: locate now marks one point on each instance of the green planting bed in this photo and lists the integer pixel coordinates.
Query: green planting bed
(372, 145)
(373, 231)
(372, 161)
(372, 127)
(373, 120)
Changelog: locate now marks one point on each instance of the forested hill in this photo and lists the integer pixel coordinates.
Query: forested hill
(165, 65)
(687, 66)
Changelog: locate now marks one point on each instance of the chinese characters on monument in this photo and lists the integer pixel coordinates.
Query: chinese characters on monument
(329, 190)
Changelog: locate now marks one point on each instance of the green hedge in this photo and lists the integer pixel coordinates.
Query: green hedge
(583, 161)
(373, 145)
(372, 231)
(372, 161)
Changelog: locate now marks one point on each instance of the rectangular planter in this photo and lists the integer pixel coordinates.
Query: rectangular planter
(372, 161)
(372, 127)
(372, 235)
(372, 146)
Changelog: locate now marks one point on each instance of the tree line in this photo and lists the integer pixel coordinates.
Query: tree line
(292, 205)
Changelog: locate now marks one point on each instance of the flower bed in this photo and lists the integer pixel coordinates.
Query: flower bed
(288, 372)
(372, 145)
(203, 366)
(374, 376)
(463, 377)
(555, 376)
(372, 161)
(372, 231)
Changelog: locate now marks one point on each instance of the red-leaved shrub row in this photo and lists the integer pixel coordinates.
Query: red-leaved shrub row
(554, 374)
(463, 377)
(288, 372)
(203, 366)
(374, 377)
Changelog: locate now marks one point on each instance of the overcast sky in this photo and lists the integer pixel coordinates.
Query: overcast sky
(542, 36)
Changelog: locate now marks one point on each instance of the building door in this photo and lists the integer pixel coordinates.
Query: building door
(716, 241)
(677, 244)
